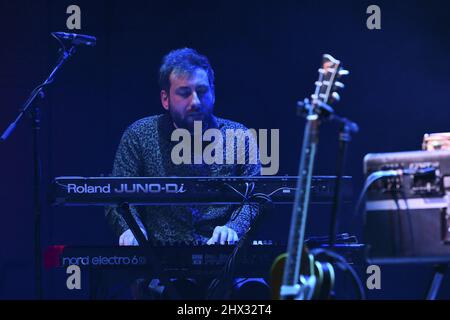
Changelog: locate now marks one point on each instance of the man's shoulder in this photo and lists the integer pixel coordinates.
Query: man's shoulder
(143, 130)
(229, 124)
(145, 124)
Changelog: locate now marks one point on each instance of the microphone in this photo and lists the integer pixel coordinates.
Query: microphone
(76, 38)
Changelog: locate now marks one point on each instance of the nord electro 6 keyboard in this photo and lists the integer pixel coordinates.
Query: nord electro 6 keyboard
(175, 259)
(181, 259)
(190, 190)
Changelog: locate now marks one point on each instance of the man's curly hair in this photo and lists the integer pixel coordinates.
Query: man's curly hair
(183, 62)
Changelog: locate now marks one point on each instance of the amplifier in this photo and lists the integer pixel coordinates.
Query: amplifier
(407, 215)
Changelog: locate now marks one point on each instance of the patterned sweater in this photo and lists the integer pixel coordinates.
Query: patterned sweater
(145, 150)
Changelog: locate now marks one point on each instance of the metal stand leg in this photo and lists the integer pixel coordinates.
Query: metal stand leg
(439, 273)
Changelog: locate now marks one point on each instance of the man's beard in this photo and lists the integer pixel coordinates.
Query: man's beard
(186, 121)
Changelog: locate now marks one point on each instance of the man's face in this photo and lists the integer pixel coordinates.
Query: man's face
(190, 99)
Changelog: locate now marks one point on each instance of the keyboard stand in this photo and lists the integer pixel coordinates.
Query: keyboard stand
(438, 275)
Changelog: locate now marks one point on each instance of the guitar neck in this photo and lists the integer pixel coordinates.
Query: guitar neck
(324, 92)
(301, 203)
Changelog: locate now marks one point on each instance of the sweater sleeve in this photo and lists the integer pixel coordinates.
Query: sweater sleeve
(242, 217)
(127, 163)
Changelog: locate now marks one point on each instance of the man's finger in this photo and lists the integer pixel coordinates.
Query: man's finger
(230, 236)
(213, 239)
(216, 235)
(224, 235)
(129, 240)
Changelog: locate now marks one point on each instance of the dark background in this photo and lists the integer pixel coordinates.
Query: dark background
(265, 56)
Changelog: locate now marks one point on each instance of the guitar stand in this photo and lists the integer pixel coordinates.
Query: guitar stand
(438, 276)
(347, 127)
(125, 211)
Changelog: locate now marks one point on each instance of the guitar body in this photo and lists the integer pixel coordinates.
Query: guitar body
(276, 272)
(323, 274)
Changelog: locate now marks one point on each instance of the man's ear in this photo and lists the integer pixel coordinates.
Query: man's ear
(164, 99)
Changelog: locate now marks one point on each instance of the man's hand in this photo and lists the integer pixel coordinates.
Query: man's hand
(222, 234)
(127, 238)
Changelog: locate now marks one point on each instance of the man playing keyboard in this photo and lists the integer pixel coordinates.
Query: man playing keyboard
(187, 95)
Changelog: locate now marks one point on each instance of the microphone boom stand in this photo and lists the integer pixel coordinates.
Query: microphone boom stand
(33, 110)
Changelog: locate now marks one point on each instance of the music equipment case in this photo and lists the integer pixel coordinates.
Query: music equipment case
(407, 218)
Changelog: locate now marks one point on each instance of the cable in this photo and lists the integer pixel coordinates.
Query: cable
(249, 195)
(345, 266)
(226, 275)
(408, 215)
(229, 267)
(374, 176)
(235, 190)
(396, 234)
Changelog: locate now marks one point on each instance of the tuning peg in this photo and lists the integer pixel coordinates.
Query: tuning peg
(343, 72)
(339, 85)
(335, 96)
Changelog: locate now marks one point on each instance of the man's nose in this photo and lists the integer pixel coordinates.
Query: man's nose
(195, 100)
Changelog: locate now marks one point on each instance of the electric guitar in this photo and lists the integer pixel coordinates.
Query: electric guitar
(295, 274)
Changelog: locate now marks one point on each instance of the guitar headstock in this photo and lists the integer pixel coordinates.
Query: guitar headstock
(327, 86)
